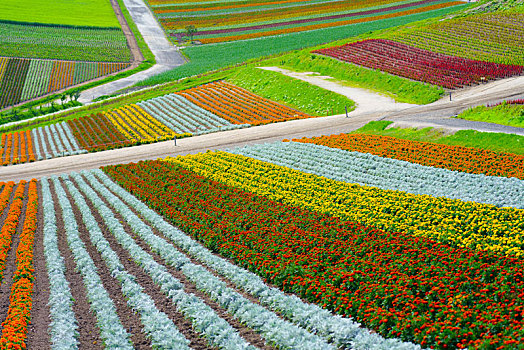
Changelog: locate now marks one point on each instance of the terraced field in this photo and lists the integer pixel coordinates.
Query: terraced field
(221, 21)
(212, 107)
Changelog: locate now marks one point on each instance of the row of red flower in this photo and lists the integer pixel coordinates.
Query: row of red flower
(401, 286)
(418, 64)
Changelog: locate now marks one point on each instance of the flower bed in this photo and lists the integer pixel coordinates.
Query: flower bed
(400, 285)
(464, 159)
(418, 64)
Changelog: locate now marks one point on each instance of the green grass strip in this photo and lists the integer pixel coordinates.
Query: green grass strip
(298, 94)
(505, 114)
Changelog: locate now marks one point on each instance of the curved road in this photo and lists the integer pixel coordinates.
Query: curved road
(167, 56)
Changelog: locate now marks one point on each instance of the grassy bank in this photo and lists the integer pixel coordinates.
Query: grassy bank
(298, 94)
(505, 114)
(400, 89)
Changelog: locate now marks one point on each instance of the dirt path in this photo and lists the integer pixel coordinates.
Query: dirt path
(167, 56)
(366, 101)
(131, 40)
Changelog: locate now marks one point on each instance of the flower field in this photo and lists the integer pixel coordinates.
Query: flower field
(218, 106)
(463, 159)
(494, 37)
(239, 106)
(286, 245)
(410, 62)
(348, 247)
(61, 42)
(23, 79)
(222, 21)
(19, 203)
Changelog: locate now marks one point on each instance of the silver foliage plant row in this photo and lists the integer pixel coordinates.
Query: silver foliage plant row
(303, 326)
(339, 331)
(389, 174)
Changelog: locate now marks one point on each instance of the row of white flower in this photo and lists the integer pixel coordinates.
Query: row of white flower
(111, 329)
(63, 327)
(181, 115)
(343, 332)
(192, 109)
(219, 332)
(60, 138)
(275, 330)
(391, 174)
(157, 325)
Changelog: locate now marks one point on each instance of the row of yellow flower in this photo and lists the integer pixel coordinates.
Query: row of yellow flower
(463, 224)
(137, 125)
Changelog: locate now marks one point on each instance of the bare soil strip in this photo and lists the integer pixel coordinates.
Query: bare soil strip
(10, 264)
(162, 302)
(89, 334)
(130, 320)
(37, 334)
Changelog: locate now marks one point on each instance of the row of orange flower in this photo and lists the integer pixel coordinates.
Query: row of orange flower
(238, 105)
(14, 330)
(458, 158)
(10, 224)
(19, 143)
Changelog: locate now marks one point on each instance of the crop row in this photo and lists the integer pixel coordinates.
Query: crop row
(16, 148)
(239, 106)
(63, 43)
(182, 116)
(418, 64)
(98, 213)
(50, 141)
(331, 24)
(463, 224)
(23, 79)
(400, 285)
(389, 174)
(15, 325)
(458, 158)
(217, 106)
(494, 37)
(225, 21)
(519, 101)
(229, 32)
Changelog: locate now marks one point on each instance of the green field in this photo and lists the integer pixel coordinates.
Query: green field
(505, 114)
(92, 13)
(497, 142)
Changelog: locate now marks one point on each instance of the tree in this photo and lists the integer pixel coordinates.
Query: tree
(63, 97)
(76, 94)
(191, 30)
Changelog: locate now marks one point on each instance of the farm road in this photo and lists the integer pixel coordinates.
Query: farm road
(434, 115)
(366, 101)
(167, 56)
(221, 140)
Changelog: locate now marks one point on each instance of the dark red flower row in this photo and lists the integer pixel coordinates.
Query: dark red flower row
(402, 286)
(418, 64)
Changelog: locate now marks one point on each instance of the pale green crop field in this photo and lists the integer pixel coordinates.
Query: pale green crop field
(96, 13)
